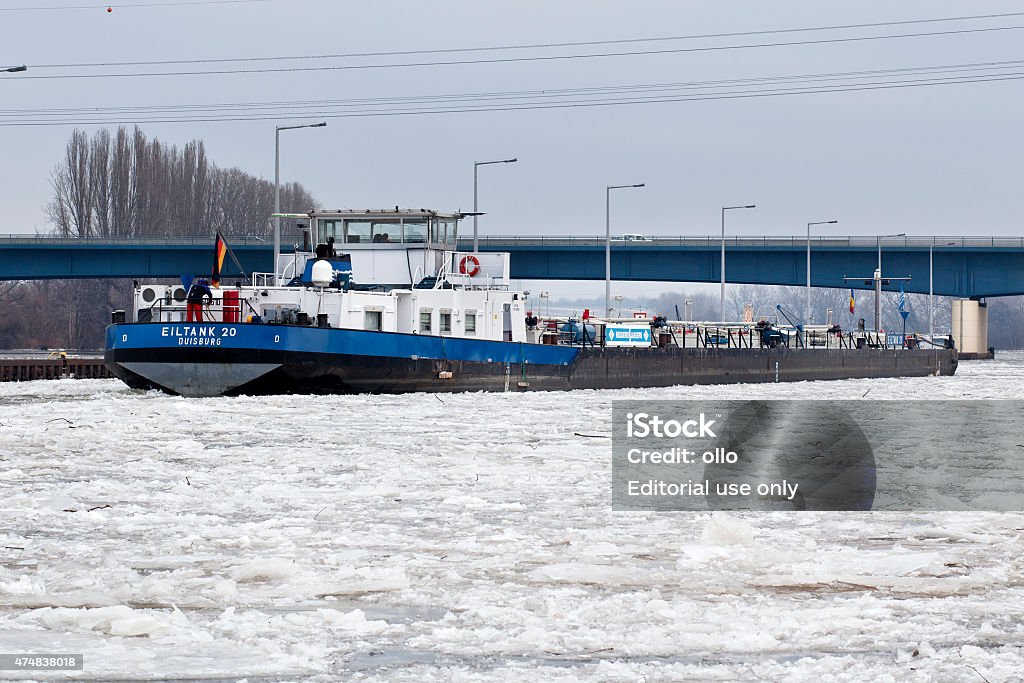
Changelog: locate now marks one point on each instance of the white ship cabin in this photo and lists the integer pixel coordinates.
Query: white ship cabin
(389, 271)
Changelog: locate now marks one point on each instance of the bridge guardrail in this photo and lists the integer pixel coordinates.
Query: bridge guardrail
(863, 241)
(169, 240)
(755, 241)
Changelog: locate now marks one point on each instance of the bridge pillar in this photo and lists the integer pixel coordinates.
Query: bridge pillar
(970, 325)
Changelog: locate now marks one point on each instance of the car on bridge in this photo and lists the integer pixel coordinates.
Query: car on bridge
(631, 237)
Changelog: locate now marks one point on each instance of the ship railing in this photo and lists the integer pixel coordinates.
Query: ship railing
(717, 336)
(474, 282)
(749, 336)
(288, 272)
(441, 275)
(724, 335)
(215, 311)
(484, 278)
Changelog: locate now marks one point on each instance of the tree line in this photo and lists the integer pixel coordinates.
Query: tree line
(125, 184)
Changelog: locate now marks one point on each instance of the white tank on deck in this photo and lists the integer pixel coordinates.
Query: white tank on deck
(323, 273)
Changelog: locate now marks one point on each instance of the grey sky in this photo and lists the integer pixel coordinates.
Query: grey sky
(922, 160)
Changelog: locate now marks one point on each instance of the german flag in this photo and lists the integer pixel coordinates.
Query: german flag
(220, 250)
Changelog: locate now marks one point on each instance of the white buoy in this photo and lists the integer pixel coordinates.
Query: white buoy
(323, 273)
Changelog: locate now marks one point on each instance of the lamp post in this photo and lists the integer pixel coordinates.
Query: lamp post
(608, 244)
(721, 303)
(476, 165)
(931, 287)
(277, 188)
(807, 306)
(878, 280)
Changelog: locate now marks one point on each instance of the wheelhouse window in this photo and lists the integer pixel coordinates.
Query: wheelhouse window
(470, 322)
(425, 321)
(412, 229)
(446, 322)
(446, 231)
(357, 232)
(331, 229)
(415, 230)
(386, 231)
(373, 320)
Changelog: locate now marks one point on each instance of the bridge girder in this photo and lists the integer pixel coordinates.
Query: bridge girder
(967, 272)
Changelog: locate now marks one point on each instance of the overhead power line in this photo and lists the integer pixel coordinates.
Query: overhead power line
(533, 58)
(122, 5)
(608, 99)
(547, 93)
(537, 46)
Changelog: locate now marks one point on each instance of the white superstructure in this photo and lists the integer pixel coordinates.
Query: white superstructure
(390, 271)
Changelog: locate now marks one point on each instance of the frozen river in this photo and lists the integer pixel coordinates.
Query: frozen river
(464, 538)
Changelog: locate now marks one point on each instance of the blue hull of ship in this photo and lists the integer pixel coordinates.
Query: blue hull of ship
(212, 359)
(200, 359)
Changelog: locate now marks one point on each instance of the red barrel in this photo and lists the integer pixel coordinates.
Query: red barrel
(231, 308)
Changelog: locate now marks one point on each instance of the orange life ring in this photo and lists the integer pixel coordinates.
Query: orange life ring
(474, 265)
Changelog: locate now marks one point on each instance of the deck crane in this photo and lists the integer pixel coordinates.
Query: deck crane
(799, 326)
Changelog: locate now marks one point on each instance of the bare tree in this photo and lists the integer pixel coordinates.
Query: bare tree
(99, 182)
(123, 184)
(71, 209)
(127, 185)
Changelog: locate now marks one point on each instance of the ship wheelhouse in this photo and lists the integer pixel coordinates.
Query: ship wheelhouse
(388, 249)
(351, 228)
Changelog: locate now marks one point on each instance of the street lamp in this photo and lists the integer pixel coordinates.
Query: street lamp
(476, 165)
(807, 307)
(277, 188)
(608, 244)
(931, 287)
(878, 241)
(878, 280)
(721, 306)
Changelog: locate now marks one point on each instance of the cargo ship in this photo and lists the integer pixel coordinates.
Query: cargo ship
(385, 302)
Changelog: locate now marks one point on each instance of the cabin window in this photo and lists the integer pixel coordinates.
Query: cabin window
(330, 229)
(425, 317)
(414, 230)
(446, 322)
(470, 322)
(373, 320)
(357, 232)
(386, 231)
(446, 231)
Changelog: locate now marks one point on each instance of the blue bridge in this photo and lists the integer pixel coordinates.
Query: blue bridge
(965, 267)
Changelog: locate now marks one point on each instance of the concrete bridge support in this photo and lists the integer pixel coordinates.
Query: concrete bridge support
(970, 326)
